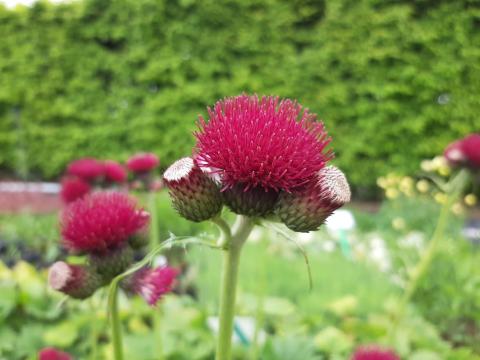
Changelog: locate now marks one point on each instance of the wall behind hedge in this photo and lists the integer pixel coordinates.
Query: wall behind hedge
(394, 81)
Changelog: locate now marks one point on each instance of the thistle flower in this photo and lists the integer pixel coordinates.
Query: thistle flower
(100, 222)
(372, 352)
(114, 172)
(88, 169)
(464, 152)
(268, 144)
(50, 353)
(306, 210)
(73, 188)
(195, 196)
(77, 281)
(113, 262)
(142, 163)
(152, 284)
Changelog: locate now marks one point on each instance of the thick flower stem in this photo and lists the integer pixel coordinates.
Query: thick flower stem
(231, 262)
(115, 325)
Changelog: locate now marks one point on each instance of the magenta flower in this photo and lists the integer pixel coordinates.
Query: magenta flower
(143, 163)
(88, 169)
(261, 143)
(73, 188)
(114, 172)
(77, 281)
(464, 152)
(152, 284)
(373, 352)
(50, 353)
(101, 221)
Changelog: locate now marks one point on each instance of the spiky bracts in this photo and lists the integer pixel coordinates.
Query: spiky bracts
(153, 284)
(101, 221)
(307, 209)
(77, 281)
(374, 352)
(194, 194)
(261, 142)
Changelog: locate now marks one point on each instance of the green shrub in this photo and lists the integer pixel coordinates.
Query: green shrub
(394, 81)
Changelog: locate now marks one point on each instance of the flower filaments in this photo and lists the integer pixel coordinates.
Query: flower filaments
(142, 163)
(263, 144)
(153, 284)
(372, 352)
(88, 169)
(101, 221)
(77, 281)
(73, 188)
(307, 209)
(194, 194)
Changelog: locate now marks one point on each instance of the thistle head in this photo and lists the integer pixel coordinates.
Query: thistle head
(100, 222)
(194, 194)
(88, 169)
(73, 188)
(307, 209)
(114, 172)
(153, 284)
(142, 163)
(77, 281)
(50, 353)
(373, 352)
(261, 143)
(464, 152)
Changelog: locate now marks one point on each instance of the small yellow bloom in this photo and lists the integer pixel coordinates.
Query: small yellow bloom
(382, 182)
(423, 186)
(441, 198)
(398, 223)
(444, 170)
(470, 200)
(457, 209)
(391, 193)
(426, 165)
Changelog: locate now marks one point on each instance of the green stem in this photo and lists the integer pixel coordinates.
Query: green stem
(455, 189)
(154, 229)
(231, 262)
(157, 318)
(94, 330)
(115, 322)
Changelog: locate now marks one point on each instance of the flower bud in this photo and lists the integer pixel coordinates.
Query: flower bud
(111, 263)
(77, 281)
(256, 202)
(194, 194)
(308, 209)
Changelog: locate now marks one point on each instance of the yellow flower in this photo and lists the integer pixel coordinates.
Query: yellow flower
(426, 165)
(398, 223)
(382, 182)
(470, 200)
(423, 186)
(444, 170)
(391, 193)
(441, 198)
(457, 208)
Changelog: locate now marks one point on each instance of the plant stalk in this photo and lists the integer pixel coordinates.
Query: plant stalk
(115, 324)
(228, 286)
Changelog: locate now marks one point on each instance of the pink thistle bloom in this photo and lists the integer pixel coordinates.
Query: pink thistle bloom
(471, 149)
(77, 281)
(88, 169)
(454, 153)
(73, 188)
(50, 353)
(261, 142)
(142, 163)
(372, 352)
(152, 284)
(101, 221)
(114, 172)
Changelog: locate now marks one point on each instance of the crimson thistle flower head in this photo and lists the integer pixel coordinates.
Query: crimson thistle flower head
(194, 194)
(152, 284)
(261, 143)
(51, 353)
(114, 172)
(307, 209)
(464, 152)
(88, 169)
(372, 352)
(100, 222)
(73, 188)
(77, 281)
(142, 163)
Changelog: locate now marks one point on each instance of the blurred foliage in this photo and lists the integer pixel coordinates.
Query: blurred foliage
(395, 81)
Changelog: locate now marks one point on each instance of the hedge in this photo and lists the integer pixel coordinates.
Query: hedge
(394, 81)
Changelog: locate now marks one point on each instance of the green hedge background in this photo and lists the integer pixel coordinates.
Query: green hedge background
(394, 81)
